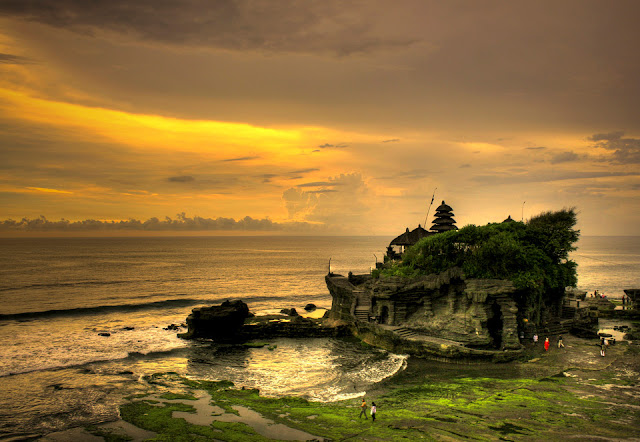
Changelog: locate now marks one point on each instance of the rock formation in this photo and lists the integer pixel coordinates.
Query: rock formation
(476, 313)
(220, 322)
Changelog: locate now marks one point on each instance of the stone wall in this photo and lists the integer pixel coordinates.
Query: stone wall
(478, 313)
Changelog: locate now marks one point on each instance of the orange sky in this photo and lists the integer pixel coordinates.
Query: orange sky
(322, 117)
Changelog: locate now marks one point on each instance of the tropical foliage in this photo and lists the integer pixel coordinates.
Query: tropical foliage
(534, 255)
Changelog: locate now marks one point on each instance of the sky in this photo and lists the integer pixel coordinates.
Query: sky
(322, 117)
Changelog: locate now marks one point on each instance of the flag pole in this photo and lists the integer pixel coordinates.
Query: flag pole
(429, 209)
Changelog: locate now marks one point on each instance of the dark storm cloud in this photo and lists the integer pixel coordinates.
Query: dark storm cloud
(240, 159)
(13, 59)
(625, 150)
(181, 179)
(564, 157)
(282, 26)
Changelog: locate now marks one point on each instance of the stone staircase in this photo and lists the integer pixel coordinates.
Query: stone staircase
(362, 313)
(558, 328)
(568, 312)
(405, 333)
(363, 305)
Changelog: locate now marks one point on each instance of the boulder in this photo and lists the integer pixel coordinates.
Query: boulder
(310, 307)
(220, 322)
(289, 311)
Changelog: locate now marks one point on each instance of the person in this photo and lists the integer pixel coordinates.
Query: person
(602, 347)
(363, 409)
(560, 343)
(535, 338)
(546, 344)
(373, 411)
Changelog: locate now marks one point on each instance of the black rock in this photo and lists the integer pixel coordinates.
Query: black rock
(104, 334)
(220, 322)
(310, 307)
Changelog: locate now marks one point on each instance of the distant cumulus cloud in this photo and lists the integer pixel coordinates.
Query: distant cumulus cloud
(181, 224)
(340, 210)
(625, 150)
(181, 179)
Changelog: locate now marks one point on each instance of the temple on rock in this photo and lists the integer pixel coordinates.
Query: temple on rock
(445, 315)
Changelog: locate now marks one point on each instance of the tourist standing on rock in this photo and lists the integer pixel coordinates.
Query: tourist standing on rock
(603, 346)
(373, 411)
(363, 409)
(535, 338)
(546, 344)
(560, 343)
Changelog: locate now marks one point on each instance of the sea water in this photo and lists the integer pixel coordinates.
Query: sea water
(60, 296)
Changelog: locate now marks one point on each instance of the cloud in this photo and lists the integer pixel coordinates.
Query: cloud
(181, 224)
(328, 145)
(547, 176)
(564, 157)
(261, 25)
(13, 59)
(317, 184)
(340, 210)
(464, 166)
(240, 159)
(181, 179)
(305, 170)
(536, 148)
(415, 174)
(393, 140)
(625, 150)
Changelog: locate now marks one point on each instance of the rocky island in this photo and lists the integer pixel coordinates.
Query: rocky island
(476, 293)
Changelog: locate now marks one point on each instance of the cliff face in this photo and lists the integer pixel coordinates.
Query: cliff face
(477, 313)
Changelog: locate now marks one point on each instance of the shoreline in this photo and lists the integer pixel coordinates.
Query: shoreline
(557, 394)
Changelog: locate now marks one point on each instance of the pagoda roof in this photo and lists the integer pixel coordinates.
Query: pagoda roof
(443, 227)
(444, 208)
(409, 238)
(444, 220)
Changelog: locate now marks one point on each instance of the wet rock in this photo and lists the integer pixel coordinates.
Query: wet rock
(128, 328)
(310, 307)
(220, 322)
(104, 334)
(172, 327)
(289, 311)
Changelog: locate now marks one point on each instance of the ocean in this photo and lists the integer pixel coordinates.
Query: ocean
(60, 294)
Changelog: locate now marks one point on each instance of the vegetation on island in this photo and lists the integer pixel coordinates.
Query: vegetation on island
(534, 255)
